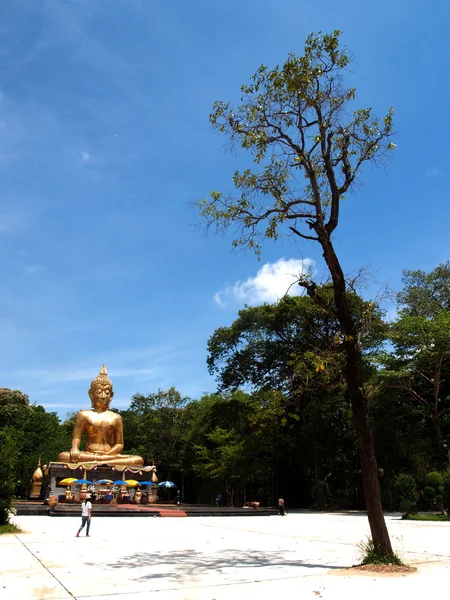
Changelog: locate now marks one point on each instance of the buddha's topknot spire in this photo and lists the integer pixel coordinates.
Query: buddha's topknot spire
(102, 378)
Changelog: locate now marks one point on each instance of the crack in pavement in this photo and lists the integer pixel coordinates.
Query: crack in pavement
(46, 568)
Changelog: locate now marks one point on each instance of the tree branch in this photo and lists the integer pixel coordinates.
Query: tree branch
(302, 235)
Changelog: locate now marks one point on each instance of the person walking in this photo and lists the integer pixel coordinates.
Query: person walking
(281, 506)
(86, 508)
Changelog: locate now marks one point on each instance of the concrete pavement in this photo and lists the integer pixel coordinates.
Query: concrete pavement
(215, 558)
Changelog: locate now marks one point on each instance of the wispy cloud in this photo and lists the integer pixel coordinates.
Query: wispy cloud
(14, 222)
(50, 405)
(218, 299)
(124, 364)
(61, 375)
(32, 269)
(85, 156)
(272, 282)
(433, 172)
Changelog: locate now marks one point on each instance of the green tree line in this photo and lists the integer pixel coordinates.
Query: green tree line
(280, 421)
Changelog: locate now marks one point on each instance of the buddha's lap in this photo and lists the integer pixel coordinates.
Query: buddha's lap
(93, 457)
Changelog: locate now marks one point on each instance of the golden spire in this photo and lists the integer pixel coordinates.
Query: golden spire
(102, 378)
(38, 475)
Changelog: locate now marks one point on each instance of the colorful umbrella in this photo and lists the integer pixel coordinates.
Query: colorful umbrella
(167, 484)
(104, 482)
(68, 481)
(147, 483)
(131, 483)
(119, 482)
(82, 482)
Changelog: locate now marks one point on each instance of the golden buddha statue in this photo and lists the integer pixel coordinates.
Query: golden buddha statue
(104, 430)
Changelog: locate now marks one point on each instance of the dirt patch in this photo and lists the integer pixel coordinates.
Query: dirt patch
(43, 592)
(382, 570)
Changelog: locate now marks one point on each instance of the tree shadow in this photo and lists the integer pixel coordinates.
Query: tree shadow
(192, 565)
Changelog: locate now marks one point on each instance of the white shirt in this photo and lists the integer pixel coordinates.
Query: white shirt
(85, 508)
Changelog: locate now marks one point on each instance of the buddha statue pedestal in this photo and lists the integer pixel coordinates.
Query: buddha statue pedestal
(58, 471)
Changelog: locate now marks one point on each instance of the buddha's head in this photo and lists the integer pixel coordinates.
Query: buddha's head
(101, 390)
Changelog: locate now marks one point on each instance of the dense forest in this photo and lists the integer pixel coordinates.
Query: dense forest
(280, 421)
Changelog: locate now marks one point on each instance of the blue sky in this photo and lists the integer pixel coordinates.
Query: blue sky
(105, 143)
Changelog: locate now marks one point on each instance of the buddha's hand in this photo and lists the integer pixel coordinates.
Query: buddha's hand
(74, 454)
(115, 450)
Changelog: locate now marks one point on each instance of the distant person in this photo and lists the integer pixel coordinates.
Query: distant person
(281, 506)
(86, 509)
(178, 498)
(219, 499)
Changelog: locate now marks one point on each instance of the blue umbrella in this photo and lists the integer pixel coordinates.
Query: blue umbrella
(167, 484)
(119, 482)
(82, 481)
(147, 483)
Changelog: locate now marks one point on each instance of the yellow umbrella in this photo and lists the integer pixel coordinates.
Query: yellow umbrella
(131, 483)
(67, 481)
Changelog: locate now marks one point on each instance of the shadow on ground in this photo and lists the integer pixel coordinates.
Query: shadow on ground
(192, 564)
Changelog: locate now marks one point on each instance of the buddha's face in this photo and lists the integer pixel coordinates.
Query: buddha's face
(101, 395)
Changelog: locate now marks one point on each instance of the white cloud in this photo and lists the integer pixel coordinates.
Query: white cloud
(218, 299)
(433, 172)
(272, 282)
(85, 156)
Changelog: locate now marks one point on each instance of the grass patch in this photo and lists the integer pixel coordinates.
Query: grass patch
(371, 555)
(9, 528)
(426, 517)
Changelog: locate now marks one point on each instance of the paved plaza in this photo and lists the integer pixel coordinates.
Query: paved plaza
(216, 558)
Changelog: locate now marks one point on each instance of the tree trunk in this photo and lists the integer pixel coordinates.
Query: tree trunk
(319, 500)
(366, 447)
(353, 375)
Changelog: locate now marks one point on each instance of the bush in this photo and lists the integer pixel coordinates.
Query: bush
(434, 480)
(434, 488)
(426, 517)
(446, 483)
(429, 493)
(9, 528)
(405, 487)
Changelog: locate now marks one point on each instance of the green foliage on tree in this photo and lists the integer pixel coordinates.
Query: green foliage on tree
(8, 458)
(291, 431)
(281, 346)
(221, 458)
(154, 427)
(425, 294)
(297, 121)
(225, 438)
(419, 365)
(293, 345)
(36, 433)
(406, 489)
